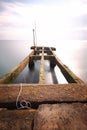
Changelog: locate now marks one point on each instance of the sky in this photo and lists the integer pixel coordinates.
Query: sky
(54, 20)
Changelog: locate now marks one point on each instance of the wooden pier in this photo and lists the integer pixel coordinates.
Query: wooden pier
(43, 106)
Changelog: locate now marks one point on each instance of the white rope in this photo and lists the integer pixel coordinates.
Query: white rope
(23, 104)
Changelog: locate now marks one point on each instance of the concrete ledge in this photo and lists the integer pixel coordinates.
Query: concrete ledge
(39, 94)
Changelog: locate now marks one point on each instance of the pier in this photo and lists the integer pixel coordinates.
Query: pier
(43, 106)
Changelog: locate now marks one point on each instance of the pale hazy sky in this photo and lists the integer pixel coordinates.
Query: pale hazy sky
(55, 20)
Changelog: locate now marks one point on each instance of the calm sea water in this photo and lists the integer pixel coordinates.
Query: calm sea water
(11, 53)
(71, 53)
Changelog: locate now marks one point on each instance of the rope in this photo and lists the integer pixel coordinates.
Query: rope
(23, 104)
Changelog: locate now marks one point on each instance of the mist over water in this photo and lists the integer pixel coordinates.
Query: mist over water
(11, 53)
(73, 54)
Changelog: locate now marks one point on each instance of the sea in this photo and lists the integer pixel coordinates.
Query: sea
(71, 53)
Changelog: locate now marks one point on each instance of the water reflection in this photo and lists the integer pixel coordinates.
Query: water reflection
(29, 76)
(52, 75)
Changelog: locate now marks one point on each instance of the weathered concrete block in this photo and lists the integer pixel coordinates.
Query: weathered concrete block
(61, 117)
(16, 119)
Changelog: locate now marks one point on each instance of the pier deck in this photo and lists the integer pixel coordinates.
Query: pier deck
(43, 106)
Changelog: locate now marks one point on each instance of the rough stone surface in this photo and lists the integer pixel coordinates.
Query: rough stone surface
(16, 119)
(61, 117)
